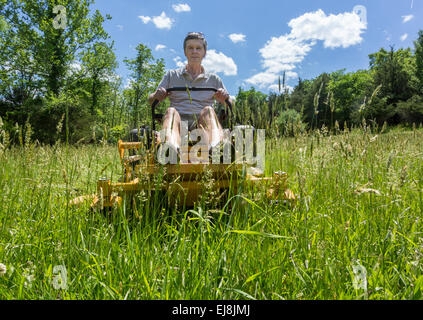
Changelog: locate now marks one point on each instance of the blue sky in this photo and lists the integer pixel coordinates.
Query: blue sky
(251, 43)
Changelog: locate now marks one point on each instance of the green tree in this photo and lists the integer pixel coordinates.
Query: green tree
(418, 51)
(146, 73)
(52, 46)
(37, 49)
(3, 24)
(99, 61)
(299, 94)
(19, 80)
(315, 111)
(394, 71)
(251, 105)
(349, 91)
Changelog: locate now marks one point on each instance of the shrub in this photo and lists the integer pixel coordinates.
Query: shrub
(411, 111)
(289, 123)
(117, 132)
(50, 123)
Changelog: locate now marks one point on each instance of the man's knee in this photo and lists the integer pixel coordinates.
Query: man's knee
(171, 111)
(208, 111)
(172, 114)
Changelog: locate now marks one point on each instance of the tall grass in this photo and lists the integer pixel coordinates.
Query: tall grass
(360, 204)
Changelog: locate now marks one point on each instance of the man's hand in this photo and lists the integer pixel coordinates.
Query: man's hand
(221, 95)
(161, 94)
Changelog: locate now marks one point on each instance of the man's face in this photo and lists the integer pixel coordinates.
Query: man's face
(194, 50)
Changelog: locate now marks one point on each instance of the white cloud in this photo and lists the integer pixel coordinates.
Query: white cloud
(404, 37)
(160, 47)
(182, 7)
(263, 79)
(219, 63)
(145, 19)
(179, 63)
(161, 22)
(267, 80)
(405, 19)
(275, 88)
(75, 66)
(237, 37)
(110, 77)
(291, 75)
(280, 54)
(388, 35)
(214, 62)
(283, 53)
(120, 27)
(334, 30)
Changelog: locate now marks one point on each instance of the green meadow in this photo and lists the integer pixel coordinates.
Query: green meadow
(355, 232)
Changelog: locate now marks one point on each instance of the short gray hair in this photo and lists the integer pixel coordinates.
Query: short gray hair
(195, 36)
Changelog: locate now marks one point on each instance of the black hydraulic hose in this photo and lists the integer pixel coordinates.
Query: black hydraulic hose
(155, 102)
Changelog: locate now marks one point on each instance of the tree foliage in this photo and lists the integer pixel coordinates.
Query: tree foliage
(58, 66)
(418, 47)
(394, 71)
(390, 90)
(38, 55)
(146, 73)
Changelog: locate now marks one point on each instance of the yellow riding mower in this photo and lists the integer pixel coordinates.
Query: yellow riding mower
(184, 181)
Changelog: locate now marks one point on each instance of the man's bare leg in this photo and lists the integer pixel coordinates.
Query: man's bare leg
(210, 124)
(171, 125)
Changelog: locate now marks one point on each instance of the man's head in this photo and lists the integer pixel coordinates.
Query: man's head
(195, 36)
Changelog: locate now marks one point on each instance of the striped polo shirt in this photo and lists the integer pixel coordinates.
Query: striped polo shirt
(199, 99)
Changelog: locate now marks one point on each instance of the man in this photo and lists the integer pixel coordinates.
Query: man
(195, 107)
